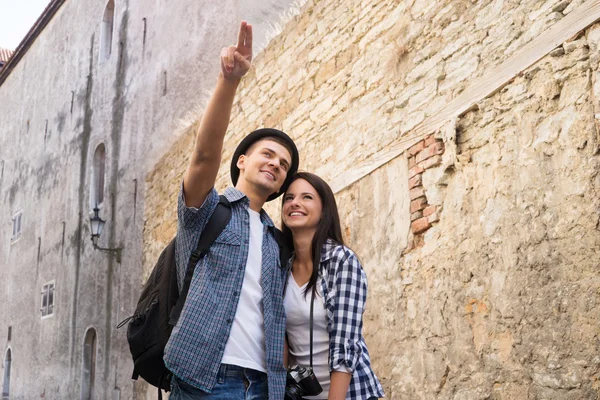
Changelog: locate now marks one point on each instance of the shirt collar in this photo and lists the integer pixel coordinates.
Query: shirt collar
(328, 249)
(234, 195)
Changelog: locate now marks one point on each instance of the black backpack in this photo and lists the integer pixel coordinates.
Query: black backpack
(160, 302)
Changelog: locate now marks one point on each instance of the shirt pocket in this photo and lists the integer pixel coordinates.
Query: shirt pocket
(228, 237)
(225, 252)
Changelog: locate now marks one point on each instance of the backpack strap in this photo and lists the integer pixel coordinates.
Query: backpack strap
(215, 225)
(284, 253)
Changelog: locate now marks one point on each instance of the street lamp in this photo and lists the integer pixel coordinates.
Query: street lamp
(97, 225)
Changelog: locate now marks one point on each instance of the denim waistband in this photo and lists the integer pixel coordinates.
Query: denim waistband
(235, 370)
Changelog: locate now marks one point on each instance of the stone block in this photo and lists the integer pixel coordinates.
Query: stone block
(411, 121)
(327, 71)
(423, 69)
(437, 148)
(321, 108)
(423, 97)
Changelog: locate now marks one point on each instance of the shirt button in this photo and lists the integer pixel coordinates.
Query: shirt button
(241, 268)
(235, 293)
(229, 320)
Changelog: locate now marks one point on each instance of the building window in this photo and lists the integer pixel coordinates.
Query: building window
(6, 381)
(16, 226)
(88, 366)
(47, 299)
(98, 172)
(106, 33)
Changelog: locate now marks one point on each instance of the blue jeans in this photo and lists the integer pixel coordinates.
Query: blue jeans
(233, 383)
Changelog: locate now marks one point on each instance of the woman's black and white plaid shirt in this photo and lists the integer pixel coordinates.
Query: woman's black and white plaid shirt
(344, 285)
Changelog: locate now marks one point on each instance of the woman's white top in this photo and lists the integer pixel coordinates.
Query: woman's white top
(297, 309)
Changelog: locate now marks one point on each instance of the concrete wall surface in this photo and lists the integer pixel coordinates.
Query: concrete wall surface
(59, 104)
(481, 245)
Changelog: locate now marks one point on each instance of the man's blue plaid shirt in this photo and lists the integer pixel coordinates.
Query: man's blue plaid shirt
(197, 343)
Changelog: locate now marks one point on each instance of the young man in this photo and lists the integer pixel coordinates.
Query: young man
(228, 342)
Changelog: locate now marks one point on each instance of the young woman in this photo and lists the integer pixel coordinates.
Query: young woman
(322, 263)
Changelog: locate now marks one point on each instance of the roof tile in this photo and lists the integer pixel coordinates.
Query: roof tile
(5, 54)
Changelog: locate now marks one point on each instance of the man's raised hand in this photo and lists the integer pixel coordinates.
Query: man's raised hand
(236, 60)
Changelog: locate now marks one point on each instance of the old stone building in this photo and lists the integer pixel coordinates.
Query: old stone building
(461, 139)
(91, 99)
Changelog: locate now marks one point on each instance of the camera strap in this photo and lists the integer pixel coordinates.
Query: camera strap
(312, 304)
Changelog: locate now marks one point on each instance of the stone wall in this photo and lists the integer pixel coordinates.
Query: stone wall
(481, 242)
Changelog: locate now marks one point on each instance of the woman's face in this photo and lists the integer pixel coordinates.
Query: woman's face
(302, 206)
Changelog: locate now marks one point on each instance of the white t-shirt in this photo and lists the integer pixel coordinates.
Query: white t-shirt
(297, 310)
(246, 344)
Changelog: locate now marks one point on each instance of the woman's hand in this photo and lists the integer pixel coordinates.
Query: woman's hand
(286, 353)
(236, 60)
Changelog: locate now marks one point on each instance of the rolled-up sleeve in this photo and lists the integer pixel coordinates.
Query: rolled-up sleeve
(190, 223)
(192, 217)
(348, 304)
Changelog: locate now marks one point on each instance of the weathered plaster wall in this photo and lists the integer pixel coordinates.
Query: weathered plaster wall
(496, 296)
(58, 104)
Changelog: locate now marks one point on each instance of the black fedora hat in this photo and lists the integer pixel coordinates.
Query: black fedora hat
(254, 137)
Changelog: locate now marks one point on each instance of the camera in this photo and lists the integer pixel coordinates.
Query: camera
(301, 381)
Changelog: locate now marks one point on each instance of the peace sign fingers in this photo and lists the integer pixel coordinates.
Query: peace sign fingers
(236, 60)
(244, 44)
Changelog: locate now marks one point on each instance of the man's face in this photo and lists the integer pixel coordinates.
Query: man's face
(264, 167)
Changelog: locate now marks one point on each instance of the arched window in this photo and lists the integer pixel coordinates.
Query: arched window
(106, 33)
(98, 172)
(88, 366)
(6, 381)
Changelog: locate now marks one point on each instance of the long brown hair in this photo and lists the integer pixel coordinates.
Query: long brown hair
(329, 225)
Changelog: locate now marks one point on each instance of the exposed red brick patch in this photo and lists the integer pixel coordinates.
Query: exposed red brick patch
(416, 215)
(429, 210)
(429, 140)
(435, 217)
(411, 162)
(417, 192)
(417, 169)
(416, 180)
(430, 162)
(425, 154)
(422, 156)
(416, 148)
(420, 225)
(418, 204)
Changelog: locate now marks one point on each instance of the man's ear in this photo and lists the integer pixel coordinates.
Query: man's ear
(241, 162)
